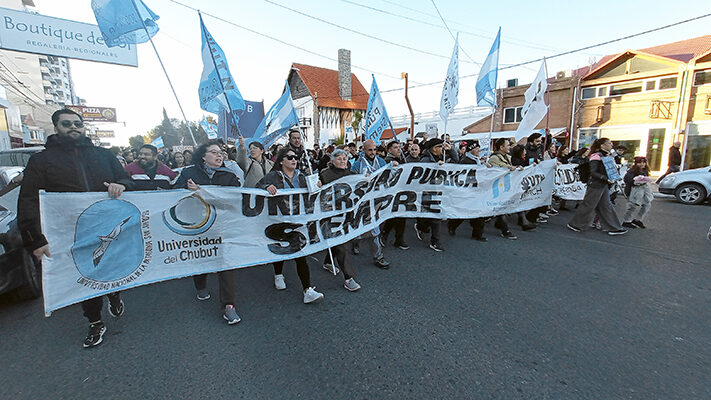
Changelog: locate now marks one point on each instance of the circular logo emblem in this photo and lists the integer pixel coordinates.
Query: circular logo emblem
(191, 215)
(108, 244)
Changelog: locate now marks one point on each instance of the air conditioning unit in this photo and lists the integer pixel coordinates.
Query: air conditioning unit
(512, 82)
(561, 74)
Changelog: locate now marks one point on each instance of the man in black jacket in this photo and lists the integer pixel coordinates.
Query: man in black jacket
(70, 163)
(674, 160)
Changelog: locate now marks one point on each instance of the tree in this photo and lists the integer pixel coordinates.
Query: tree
(136, 141)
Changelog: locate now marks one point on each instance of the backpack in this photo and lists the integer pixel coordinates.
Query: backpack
(583, 171)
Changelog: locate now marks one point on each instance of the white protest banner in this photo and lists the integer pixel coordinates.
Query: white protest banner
(40, 34)
(101, 245)
(567, 183)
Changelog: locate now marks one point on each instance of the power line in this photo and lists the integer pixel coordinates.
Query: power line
(450, 32)
(357, 32)
(282, 41)
(464, 32)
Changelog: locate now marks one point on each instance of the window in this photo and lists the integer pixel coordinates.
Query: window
(588, 93)
(651, 85)
(602, 92)
(702, 78)
(667, 83)
(512, 115)
(625, 88)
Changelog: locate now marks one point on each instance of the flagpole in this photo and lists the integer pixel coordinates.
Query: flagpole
(491, 129)
(219, 78)
(187, 123)
(444, 153)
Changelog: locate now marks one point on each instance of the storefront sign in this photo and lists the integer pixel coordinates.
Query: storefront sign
(96, 114)
(105, 134)
(40, 34)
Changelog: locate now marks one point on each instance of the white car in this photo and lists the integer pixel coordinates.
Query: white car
(690, 187)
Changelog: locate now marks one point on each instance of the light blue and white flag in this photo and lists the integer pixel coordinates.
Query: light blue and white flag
(278, 120)
(209, 128)
(217, 89)
(535, 108)
(486, 82)
(124, 21)
(376, 116)
(158, 142)
(450, 90)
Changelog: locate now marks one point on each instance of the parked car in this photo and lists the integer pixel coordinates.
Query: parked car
(18, 157)
(19, 270)
(690, 187)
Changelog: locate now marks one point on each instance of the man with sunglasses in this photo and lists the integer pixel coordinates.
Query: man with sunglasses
(70, 163)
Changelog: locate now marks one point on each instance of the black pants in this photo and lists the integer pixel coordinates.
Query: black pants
(501, 224)
(433, 225)
(343, 260)
(477, 225)
(302, 269)
(92, 307)
(395, 223)
(228, 287)
(532, 215)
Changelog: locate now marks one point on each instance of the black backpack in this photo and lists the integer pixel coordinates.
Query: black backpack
(583, 171)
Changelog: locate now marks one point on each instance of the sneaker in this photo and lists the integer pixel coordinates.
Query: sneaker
(330, 268)
(574, 229)
(419, 233)
(203, 294)
(480, 238)
(617, 232)
(381, 263)
(312, 296)
(230, 315)
(541, 220)
(279, 282)
(543, 215)
(629, 225)
(116, 310)
(552, 211)
(639, 224)
(95, 335)
(509, 235)
(351, 285)
(402, 245)
(436, 246)
(597, 226)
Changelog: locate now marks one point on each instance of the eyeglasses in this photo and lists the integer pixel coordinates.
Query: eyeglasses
(68, 124)
(290, 157)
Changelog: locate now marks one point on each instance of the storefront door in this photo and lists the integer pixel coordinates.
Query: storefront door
(655, 148)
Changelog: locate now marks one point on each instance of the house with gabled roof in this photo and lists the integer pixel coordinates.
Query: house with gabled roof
(326, 100)
(647, 99)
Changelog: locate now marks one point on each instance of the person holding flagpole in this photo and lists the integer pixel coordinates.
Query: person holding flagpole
(486, 88)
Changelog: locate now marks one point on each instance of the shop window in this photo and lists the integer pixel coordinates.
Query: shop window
(625, 88)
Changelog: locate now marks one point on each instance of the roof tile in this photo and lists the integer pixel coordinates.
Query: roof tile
(324, 81)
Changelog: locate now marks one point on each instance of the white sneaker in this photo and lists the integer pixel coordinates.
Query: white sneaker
(279, 283)
(351, 285)
(311, 295)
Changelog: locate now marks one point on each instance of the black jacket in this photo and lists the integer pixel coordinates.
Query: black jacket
(222, 177)
(534, 152)
(278, 179)
(65, 165)
(428, 157)
(390, 158)
(598, 173)
(470, 159)
(332, 173)
(629, 179)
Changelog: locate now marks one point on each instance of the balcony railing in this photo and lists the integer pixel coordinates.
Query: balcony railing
(305, 121)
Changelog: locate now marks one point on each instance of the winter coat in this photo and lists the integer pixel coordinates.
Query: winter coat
(534, 152)
(428, 157)
(674, 156)
(500, 160)
(331, 173)
(65, 165)
(412, 159)
(390, 158)
(222, 176)
(159, 177)
(598, 173)
(468, 158)
(254, 171)
(629, 179)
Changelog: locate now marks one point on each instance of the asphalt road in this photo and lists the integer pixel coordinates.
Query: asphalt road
(555, 314)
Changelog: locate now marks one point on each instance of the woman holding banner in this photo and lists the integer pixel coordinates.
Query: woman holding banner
(597, 194)
(338, 168)
(284, 175)
(209, 169)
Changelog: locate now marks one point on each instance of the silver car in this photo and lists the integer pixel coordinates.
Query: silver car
(690, 187)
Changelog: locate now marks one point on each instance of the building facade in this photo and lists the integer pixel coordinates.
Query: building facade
(327, 100)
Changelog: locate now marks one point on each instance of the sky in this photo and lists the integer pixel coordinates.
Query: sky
(260, 65)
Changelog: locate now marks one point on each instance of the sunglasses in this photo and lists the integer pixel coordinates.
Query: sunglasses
(290, 157)
(68, 124)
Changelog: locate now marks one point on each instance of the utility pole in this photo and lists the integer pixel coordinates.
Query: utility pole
(412, 115)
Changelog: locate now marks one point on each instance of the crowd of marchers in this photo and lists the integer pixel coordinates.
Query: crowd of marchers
(71, 163)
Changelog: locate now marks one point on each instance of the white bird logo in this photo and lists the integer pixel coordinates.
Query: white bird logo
(106, 241)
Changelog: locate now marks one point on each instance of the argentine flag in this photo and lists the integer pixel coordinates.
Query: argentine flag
(376, 117)
(124, 21)
(486, 82)
(278, 120)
